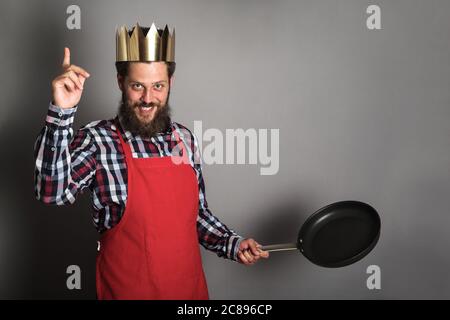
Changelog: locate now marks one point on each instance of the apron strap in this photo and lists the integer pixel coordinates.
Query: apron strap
(125, 146)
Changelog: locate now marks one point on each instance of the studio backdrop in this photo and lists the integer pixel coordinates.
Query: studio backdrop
(337, 100)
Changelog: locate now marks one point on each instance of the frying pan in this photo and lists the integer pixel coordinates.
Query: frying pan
(336, 235)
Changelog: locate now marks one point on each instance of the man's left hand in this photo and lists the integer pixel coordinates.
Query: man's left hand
(250, 252)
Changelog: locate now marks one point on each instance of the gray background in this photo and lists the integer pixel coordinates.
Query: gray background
(362, 115)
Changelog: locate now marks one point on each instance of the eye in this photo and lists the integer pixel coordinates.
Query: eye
(158, 86)
(137, 86)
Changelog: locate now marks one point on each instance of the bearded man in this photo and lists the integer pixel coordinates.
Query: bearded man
(144, 172)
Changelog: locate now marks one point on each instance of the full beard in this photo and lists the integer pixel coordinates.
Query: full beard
(130, 121)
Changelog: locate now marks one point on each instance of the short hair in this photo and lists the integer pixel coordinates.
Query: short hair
(123, 66)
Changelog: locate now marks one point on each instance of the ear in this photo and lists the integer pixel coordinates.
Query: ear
(120, 82)
(172, 78)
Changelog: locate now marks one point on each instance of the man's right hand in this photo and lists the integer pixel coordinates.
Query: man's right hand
(68, 87)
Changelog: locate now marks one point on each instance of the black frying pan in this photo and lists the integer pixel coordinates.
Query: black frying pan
(336, 235)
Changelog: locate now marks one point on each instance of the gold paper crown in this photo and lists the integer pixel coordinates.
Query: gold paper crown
(145, 44)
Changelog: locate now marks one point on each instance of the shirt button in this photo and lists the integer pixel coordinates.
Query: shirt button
(60, 114)
(53, 148)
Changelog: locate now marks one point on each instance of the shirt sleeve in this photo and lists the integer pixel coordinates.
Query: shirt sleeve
(212, 233)
(64, 164)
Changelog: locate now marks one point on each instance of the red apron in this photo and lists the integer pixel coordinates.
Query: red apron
(153, 252)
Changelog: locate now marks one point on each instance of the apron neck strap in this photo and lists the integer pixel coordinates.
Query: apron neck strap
(125, 146)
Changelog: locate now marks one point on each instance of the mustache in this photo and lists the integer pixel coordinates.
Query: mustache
(145, 105)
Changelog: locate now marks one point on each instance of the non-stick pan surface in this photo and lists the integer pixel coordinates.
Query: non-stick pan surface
(339, 234)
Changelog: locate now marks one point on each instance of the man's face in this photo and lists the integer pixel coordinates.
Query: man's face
(144, 108)
(146, 88)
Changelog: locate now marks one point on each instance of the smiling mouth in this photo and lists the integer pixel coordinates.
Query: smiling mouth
(147, 112)
(146, 108)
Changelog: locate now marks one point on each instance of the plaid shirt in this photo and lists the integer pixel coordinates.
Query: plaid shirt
(94, 159)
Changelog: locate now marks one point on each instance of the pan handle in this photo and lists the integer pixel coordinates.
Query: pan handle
(280, 247)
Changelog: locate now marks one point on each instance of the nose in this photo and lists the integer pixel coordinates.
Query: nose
(147, 96)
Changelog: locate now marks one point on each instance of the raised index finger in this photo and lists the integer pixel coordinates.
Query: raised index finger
(66, 61)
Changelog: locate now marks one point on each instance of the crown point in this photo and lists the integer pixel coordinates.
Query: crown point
(136, 30)
(153, 32)
(166, 32)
